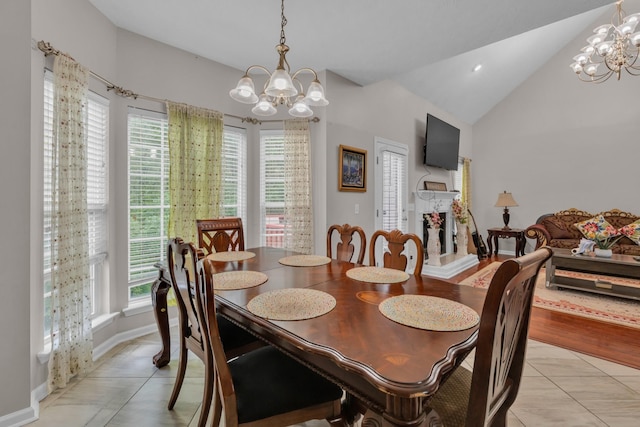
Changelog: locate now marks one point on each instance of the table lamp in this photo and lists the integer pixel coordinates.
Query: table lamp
(505, 200)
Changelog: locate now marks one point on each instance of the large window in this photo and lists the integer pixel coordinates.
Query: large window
(272, 188)
(149, 192)
(97, 125)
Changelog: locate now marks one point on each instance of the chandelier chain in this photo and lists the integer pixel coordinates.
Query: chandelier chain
(283, 38)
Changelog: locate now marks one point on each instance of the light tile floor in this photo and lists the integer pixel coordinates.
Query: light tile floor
(559, 388)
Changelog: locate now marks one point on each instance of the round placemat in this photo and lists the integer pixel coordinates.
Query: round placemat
(426, 312)
(292, 304)
(305, 260)
(230, 256)
(377, 275)
(230, 280)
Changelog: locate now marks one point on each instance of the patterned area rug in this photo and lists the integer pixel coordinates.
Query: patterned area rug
(600, 307)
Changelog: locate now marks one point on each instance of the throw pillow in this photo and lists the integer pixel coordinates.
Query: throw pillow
(556, 227)
(594, 228)
(632, 231)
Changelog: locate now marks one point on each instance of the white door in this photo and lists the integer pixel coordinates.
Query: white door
(391, 190)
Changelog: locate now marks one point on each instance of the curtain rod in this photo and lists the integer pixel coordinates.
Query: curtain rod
(47, 49)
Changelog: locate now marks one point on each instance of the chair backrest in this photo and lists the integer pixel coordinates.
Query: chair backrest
(345, 248)
(182, 259)
(214, 349)
(220, 235)
(394, 258)
(502, 339)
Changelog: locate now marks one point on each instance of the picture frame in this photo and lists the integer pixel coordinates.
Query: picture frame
(435, 186)
(352, 169)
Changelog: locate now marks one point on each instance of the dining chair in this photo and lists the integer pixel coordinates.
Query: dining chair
(265, 387)
(396, 244)
(484, 396)
(182, 259)
(220, 235)
(345, 248)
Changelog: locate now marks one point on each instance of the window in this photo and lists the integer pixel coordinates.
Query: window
(149, 192)
(148, 198)
(97, 122)
(272, 188)
(234, 173)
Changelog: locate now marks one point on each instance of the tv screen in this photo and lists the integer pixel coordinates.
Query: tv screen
(442, 142)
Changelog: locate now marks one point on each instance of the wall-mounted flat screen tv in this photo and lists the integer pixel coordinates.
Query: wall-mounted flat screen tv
(442, 143)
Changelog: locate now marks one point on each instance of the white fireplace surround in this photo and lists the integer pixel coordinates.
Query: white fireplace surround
(427, 201)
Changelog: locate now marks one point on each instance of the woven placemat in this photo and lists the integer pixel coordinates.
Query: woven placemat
(230, 280)
(377, 275)
(305, 260)
(230, 256)
(431, 313)
(292, 304)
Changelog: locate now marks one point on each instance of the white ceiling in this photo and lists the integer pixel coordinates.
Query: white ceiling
(428, 46)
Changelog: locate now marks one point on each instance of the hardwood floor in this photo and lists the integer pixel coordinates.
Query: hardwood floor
(619, 344)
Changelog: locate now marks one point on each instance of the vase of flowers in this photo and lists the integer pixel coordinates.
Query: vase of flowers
(433, 244)
(461, 216)
(605, 238)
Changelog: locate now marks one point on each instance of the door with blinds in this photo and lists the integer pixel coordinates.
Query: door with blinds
(391, 188)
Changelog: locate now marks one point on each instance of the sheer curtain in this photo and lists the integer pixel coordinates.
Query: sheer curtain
(298, 214)
(195, 175)
(71, 337)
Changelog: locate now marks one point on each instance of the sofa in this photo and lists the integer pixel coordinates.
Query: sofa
(561, 229)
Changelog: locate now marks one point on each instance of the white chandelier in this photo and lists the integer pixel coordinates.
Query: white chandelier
(615, 45)
(280, 88)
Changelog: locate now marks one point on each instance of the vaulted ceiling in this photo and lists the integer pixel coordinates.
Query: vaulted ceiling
(427, 46)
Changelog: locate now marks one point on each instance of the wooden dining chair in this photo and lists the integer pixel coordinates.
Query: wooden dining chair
(182, 259)
(396, 244)
(263, 388)
(484, 396)
(220, 235)
(345, 248)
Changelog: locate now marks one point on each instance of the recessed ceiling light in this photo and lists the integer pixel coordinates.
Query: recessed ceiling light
(477, 68)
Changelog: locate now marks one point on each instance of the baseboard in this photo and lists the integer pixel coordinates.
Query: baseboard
(21, 417)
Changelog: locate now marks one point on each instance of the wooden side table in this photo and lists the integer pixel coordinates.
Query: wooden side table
(517, 233)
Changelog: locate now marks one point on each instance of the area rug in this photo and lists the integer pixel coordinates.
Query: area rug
(594, 306)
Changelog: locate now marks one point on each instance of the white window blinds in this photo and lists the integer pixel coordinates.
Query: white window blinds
(272, 188)
(394, 190)
(148, 197)
(234, 173)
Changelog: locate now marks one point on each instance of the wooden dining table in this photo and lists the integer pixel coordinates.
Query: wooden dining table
(389, 371)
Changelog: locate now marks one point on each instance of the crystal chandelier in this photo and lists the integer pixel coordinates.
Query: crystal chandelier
(615, 45)
(280, 88)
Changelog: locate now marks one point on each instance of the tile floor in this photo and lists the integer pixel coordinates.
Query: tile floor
(559, 388)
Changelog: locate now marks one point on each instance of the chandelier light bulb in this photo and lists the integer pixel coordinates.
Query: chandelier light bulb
(264, 107)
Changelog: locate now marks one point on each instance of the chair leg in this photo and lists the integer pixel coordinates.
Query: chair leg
(209, 383)
(182, 368)
(216, 415)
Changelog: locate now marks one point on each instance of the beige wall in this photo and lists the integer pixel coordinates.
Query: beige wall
(15, 34)
(557, 143)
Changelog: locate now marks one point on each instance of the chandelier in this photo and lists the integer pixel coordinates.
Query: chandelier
(280, 88)
(615, 45)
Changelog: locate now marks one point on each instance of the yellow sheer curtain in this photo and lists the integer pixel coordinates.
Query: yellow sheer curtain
(298, 213)
(195, 175)
(466, 182)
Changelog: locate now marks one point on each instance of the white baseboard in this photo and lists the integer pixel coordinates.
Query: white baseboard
(21, 417)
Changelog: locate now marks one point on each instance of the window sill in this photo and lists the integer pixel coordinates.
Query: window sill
(136, 308)
(98, 323)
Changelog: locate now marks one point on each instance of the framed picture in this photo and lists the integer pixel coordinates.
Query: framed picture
(352, 169)
(435, 186)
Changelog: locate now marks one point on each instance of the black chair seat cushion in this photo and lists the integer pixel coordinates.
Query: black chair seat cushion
(452, 399)
(232, 335)
(267, 382)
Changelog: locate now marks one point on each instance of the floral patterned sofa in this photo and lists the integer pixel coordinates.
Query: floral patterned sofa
(560, 229)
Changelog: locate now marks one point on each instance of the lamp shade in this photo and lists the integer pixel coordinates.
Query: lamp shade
(506, 200)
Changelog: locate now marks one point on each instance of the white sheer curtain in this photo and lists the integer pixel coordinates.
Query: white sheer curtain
(71, 338)
(298, 213)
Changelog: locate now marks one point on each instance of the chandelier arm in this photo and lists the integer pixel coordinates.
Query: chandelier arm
(259, 67)
(315, 75)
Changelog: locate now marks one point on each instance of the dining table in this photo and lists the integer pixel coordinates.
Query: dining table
(388, 366)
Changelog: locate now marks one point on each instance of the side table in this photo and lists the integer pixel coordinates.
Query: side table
(502, 233)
